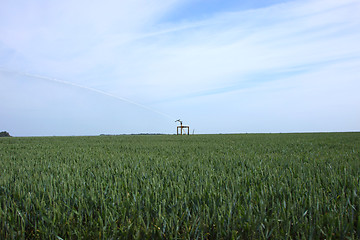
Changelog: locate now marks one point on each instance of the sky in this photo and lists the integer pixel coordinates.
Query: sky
(71, 68)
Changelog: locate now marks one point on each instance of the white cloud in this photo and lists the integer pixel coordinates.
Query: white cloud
(227, 50)
(248, 60)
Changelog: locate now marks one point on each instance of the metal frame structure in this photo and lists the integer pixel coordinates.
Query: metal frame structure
(182, 129)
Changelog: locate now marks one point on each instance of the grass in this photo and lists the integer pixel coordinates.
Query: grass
(247, 186)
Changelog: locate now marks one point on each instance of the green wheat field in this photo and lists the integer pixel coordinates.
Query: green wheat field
(242, 186)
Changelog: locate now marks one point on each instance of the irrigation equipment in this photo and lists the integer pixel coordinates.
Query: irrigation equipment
(182, 128)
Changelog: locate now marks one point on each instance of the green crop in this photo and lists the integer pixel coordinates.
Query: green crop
(247, 186)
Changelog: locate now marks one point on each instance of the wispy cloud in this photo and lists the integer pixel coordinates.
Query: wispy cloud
(129, 49)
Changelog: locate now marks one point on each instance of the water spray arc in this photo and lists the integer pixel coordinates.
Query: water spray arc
(90, 89)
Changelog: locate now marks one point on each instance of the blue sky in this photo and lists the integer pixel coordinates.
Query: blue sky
(114, 67)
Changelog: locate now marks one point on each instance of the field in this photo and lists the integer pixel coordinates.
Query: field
(246, 186)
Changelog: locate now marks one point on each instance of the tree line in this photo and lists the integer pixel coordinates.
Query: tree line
(4, 134)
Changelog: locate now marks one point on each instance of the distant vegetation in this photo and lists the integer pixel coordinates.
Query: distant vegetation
(4, 134)
(133, 134)
(250, 186)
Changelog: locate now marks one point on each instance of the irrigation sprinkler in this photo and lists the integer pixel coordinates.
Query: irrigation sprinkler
(182, 128)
